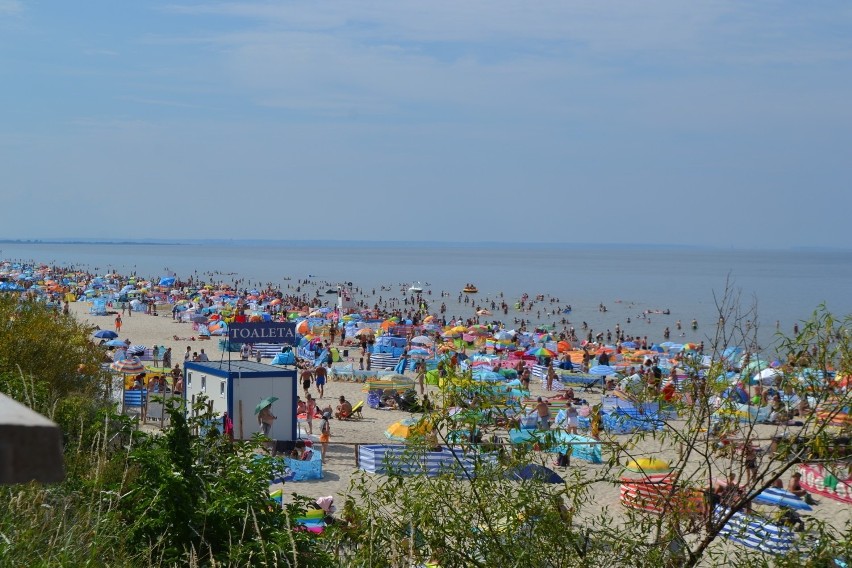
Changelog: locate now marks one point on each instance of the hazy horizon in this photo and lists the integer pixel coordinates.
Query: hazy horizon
(708, 123)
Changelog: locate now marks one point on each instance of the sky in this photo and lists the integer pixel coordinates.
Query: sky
(712, 123)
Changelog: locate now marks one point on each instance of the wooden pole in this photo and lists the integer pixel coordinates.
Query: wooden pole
(240, 404)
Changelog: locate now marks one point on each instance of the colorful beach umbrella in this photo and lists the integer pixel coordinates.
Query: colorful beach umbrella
(131, 366)
(541, 352)
(403, 430)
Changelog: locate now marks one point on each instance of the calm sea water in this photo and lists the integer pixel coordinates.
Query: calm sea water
(785, 286)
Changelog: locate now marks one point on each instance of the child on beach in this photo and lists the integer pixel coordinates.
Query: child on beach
(325, 433)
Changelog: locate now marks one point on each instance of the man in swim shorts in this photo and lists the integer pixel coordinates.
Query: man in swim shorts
(321, 374)
(307, 379)
(543, 411)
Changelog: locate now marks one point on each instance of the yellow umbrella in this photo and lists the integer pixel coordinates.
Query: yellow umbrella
(406, 428)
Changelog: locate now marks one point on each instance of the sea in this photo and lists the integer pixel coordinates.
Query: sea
(771, 290)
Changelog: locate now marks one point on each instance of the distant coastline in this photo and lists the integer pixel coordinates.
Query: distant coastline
(407, 244)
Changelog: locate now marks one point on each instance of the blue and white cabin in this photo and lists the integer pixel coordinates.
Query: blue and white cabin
(236, 387)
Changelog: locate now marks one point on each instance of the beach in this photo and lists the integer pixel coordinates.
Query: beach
(340, 466)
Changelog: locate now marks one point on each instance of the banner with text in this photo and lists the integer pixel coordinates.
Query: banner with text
(262, 332)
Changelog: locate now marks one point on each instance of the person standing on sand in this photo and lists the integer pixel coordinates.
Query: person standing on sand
(321, 376)
(310, 409)
(325, 433)
(543, 411)
(118, 323)
(572, 418)
(167, 358)
(307, 379)
(421, 376)
(265, 418)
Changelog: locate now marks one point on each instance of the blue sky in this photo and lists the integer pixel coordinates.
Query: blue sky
(608, 121)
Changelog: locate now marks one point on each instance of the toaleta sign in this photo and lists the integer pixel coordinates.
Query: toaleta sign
(263, 332)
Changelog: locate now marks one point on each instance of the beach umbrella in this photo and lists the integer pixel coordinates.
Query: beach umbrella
(541, 352)
(264, 403)
(404, 429)
(106, 334)
(647, 466)
(504, 335)
(419, 353)
(303, 327)
(136, 350)
(198, 318)
(115, 343)
(479, 330)
(422, 340)
(535, 472)
(602, 370)
(128, 366)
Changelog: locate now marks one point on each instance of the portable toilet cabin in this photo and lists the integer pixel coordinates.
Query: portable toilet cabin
(237, 387)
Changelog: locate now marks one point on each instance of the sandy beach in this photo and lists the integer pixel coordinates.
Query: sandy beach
(340, 465)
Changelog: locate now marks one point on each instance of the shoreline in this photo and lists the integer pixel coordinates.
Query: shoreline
(149, 330)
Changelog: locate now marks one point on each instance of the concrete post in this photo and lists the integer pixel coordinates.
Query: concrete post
(30, 445)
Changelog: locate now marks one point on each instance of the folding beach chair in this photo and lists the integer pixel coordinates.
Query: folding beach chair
(357, 410)
(590, 386)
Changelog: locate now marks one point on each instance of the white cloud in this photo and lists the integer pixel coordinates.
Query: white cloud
(378, 56)
(11, 7)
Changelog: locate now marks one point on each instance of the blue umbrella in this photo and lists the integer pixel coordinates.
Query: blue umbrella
(534, 471)
(602, 370)
(106, 334)
(630, 344)
(115, 343)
